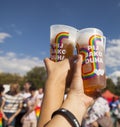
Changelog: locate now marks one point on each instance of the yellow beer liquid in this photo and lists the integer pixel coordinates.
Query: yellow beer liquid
(94, 84)
(91, 56)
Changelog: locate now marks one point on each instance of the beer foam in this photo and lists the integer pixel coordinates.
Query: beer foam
(84, 36)
(63, 33)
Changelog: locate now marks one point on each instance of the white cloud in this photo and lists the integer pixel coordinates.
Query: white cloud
(11, 63)
(3, 36)
(10, 54)
(113, 58)
(113, 53)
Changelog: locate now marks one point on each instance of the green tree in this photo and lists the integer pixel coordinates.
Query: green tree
(118, 86)
(7, 78)
(114, 88)
(110, 85)
(37, 75)
(118, 82)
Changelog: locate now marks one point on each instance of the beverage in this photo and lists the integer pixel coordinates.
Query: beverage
(91, 44)
(62, 42)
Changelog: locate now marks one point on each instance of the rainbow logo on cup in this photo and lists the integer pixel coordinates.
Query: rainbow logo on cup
(59, 40)
(94, 65)
(61, 36)
(93, 42)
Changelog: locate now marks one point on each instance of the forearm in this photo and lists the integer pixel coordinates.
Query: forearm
(30, 110)
(3, 115)
(60, 120)
(16, 113)
(76, 107)
(51, 101)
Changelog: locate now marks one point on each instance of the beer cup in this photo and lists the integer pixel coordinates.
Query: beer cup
(62, 42)
(91, 44)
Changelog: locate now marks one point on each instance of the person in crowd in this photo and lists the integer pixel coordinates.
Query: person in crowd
(40, 98)
(26, 94)
(116, 113)
(98, 110)
(26, 89)
(70, 112)
(113, 107)
(113, 104)
(1, 93)
(1, 96)
(11, 105)
(40, 95)
(118, 101)
(30, 118)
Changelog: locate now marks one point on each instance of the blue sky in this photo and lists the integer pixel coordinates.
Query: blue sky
(25, 29)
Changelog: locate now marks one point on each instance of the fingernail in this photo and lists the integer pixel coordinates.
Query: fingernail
(78, 59)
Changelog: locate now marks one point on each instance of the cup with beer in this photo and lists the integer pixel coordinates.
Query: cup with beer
(62, 42)
(91, 44)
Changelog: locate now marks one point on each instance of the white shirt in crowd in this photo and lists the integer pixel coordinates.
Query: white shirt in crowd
(99, 108)
(12, 102)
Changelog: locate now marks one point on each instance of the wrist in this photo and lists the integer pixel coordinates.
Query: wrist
(13, 116)
(72, 120)
(76, 107)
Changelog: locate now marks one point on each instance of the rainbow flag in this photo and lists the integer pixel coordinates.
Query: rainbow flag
(0, 119)
(37, 111)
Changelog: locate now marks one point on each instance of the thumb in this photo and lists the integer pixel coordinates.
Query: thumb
(48, 64)
(46, 61)
(77, 82)
(78, 66)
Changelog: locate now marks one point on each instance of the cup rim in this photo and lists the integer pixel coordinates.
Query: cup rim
(63, 25)
(94, 29)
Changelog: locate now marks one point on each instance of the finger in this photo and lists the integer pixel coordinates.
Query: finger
(77, 82)
(73, 59)
(78, 65)
(47, 62)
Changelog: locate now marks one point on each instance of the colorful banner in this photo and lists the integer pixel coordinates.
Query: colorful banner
(0, 119)
(37, 111)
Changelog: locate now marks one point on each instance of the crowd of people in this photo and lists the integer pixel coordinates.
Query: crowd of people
(115, 111)
(20, 108)
(71, 109)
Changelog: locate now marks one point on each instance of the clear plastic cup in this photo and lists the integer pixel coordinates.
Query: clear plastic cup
(62, 42)
(91, 44)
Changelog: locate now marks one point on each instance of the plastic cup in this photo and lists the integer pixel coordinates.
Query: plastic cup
(91, 44)
(62, 42)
